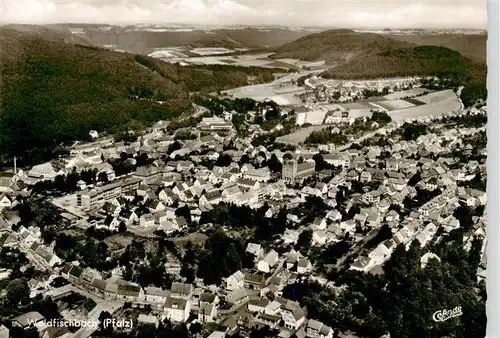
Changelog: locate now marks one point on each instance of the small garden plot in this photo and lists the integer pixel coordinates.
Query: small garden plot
(73, 300)
(59, 282)
(415, 102)
(195, 238)
(118, 241)
(89, 305)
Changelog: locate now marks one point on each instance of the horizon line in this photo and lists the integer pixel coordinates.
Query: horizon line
(243, 26)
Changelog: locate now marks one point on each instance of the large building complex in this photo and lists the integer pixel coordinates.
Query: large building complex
(214, 123)
(92, 198)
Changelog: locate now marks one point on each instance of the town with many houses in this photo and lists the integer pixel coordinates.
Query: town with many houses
(175, 182)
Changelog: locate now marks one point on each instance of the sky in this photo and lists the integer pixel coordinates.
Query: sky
(341, 14)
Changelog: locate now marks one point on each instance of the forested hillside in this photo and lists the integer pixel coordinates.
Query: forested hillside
(420, 61)
(53, 91)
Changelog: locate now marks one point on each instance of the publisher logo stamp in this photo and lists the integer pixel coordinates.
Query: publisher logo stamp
(443, 315)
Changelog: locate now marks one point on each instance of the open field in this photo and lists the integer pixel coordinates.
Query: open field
(360, 112)
(68, 204)
(211, 51)
(282, 95)
(332, 106)
(437, 96)
(262, 92)
(218, 56)
(355, 105)
(441, 103)
(395, 104)
(406, 93)
(300, 136)
(314, 117)
(448, 103)
(301, 118)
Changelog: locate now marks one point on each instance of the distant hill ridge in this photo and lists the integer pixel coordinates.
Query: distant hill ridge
(145, 40)
(469, 45)
(337, 46)
(413, 61)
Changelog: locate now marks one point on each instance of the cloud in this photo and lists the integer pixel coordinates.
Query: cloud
(362, 13)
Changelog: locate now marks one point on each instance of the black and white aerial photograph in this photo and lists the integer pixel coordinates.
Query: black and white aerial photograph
(243, 168)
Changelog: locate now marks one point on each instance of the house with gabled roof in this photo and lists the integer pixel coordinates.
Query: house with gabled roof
(111, 209)
(258, 305)
(362, 263)
(268, 262)
(155, 295)
(304, 266)
(110, 223)
(334, 215)
(374, 219)
(230, 192)
(348, 226)
(292, 258)
(44, 171)
(28, 319)
(319, 223)
(253, 281)
(147, 221)
(177, 309)
(129, 217)
(238, 296)
(259, 175)
(360, 218)
(207, 312)
(316, 329)
(365, 177)
(167, 196)
(150, 196)
(212, 197)
(319, 237)
(160, 217)
(181, 290)
(392, 216)
(248, 184)
(292, 314)
(5, 201)
(180, 222)
(255, 249)
(235, 281)
(321, 188)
